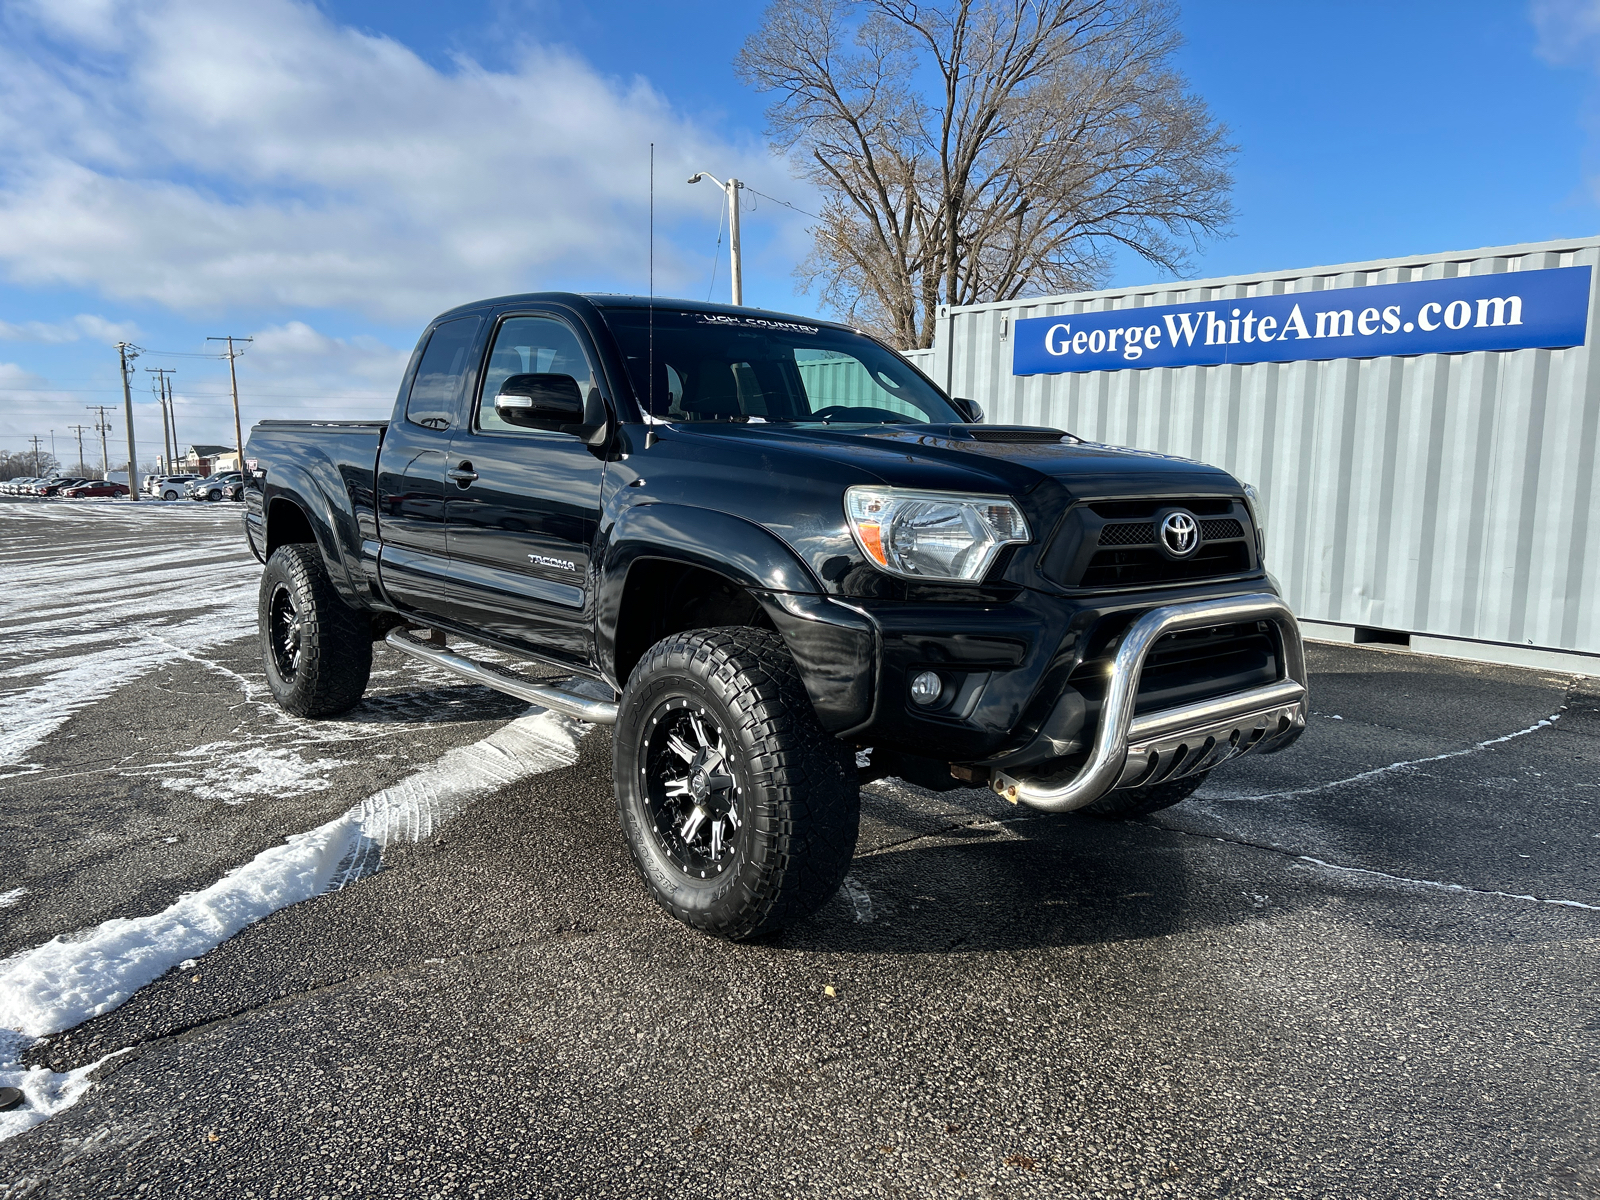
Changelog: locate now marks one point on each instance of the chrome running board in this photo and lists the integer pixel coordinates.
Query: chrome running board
(1139, 752)
(556, 699)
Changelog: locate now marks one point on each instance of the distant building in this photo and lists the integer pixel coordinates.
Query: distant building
(202, 460)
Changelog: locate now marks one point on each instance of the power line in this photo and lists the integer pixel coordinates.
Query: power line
(785, 203)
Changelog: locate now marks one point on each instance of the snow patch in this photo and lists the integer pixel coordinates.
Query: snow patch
(234, 776)
(46, 1092)
(1406, 881)
(70, 979)
(860, 900)
(12, 898)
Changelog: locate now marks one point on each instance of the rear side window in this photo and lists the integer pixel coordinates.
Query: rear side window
(438, 381)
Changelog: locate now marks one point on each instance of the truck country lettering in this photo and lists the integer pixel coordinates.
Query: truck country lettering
(779, 562)
(1515, 310)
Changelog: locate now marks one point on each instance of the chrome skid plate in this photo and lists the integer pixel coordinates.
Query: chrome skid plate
(1191, 751)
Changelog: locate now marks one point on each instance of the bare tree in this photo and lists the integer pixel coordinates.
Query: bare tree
(976, 150)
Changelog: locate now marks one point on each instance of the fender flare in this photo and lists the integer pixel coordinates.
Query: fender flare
(834, 645)
(336, 534)
(740, 550)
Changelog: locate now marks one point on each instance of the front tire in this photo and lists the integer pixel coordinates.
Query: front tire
(316, 648)
(740, 809)
(1126, 804)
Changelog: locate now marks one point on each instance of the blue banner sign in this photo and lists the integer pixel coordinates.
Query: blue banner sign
(1514, 310)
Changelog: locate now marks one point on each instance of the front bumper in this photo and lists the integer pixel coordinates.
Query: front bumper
(1172, 743)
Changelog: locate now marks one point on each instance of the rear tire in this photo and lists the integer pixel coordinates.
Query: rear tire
(316, 648)
(1125, 804)
(716, 722)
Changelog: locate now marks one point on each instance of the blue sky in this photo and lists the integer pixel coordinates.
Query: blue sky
(326, 177)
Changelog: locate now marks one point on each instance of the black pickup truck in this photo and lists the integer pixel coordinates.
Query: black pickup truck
(781, 561)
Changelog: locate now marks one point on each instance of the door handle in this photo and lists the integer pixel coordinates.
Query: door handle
(463, 475)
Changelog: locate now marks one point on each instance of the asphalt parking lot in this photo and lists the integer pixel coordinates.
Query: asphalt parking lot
(1366, 967)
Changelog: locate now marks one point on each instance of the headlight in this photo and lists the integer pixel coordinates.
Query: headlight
(1252, 503)
(932, 535)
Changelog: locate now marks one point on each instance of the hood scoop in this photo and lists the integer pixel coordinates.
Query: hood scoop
(1018, 434)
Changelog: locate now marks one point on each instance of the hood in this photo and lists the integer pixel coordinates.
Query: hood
(1014, 460)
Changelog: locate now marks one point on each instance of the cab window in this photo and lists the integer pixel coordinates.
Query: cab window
(530, 346)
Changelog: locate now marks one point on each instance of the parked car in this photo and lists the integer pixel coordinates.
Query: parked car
(173, 487)
(56, 485)
(763, 545)
(211, 488)
(234, 490)
(19, 487)
(94, 487)
(147, 485)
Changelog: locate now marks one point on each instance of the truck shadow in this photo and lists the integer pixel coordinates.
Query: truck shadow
(1045, 882)
(436, 705)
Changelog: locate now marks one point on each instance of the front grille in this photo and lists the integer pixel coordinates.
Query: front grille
(1115, 543)
(1143, 534)
(1146, 564)
(1213, 531)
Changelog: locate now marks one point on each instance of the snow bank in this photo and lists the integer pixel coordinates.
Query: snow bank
(65, 982)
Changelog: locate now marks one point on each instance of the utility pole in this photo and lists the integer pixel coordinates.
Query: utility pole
(238, 429)
(129, 352)
(104, 427)
(732, 188)
(160, 382)
(78, 429)
(36, 467)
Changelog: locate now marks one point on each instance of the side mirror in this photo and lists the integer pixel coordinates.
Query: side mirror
(973, 408)
(540, 401)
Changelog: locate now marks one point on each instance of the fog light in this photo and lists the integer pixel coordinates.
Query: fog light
(925, 687)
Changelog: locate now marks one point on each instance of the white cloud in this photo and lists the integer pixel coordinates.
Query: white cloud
(205, 155)
(1567, 28)
(82, 326)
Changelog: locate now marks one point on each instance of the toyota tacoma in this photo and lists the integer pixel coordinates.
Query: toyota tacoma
(779, 560)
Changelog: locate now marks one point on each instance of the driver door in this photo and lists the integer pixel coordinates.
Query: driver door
(523, 506)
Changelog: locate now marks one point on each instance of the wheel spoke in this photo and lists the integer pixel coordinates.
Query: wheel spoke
(716, 838)
(681, 748)
(699, 730)
(677, 787)
(692, 823)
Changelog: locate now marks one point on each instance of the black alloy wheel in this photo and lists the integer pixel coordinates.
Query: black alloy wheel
(284, 632)
(690, 790)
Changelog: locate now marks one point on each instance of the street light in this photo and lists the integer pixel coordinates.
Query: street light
(732, 189)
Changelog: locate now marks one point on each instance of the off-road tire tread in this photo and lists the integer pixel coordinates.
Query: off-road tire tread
(1127, 804)
(807, 775)
(336, 651)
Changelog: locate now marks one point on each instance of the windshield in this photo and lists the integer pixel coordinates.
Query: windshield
(730, 367)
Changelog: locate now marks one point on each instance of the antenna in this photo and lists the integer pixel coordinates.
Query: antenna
(650, 362)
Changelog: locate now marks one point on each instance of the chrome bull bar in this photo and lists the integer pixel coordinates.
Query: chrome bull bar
(1172, 743)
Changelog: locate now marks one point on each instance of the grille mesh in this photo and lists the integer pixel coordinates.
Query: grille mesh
(1215, 530)
(1140, 534)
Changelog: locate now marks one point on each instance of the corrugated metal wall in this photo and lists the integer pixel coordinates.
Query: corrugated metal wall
(1452, 495)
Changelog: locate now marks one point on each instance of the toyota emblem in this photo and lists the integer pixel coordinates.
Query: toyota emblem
(1180, 534)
